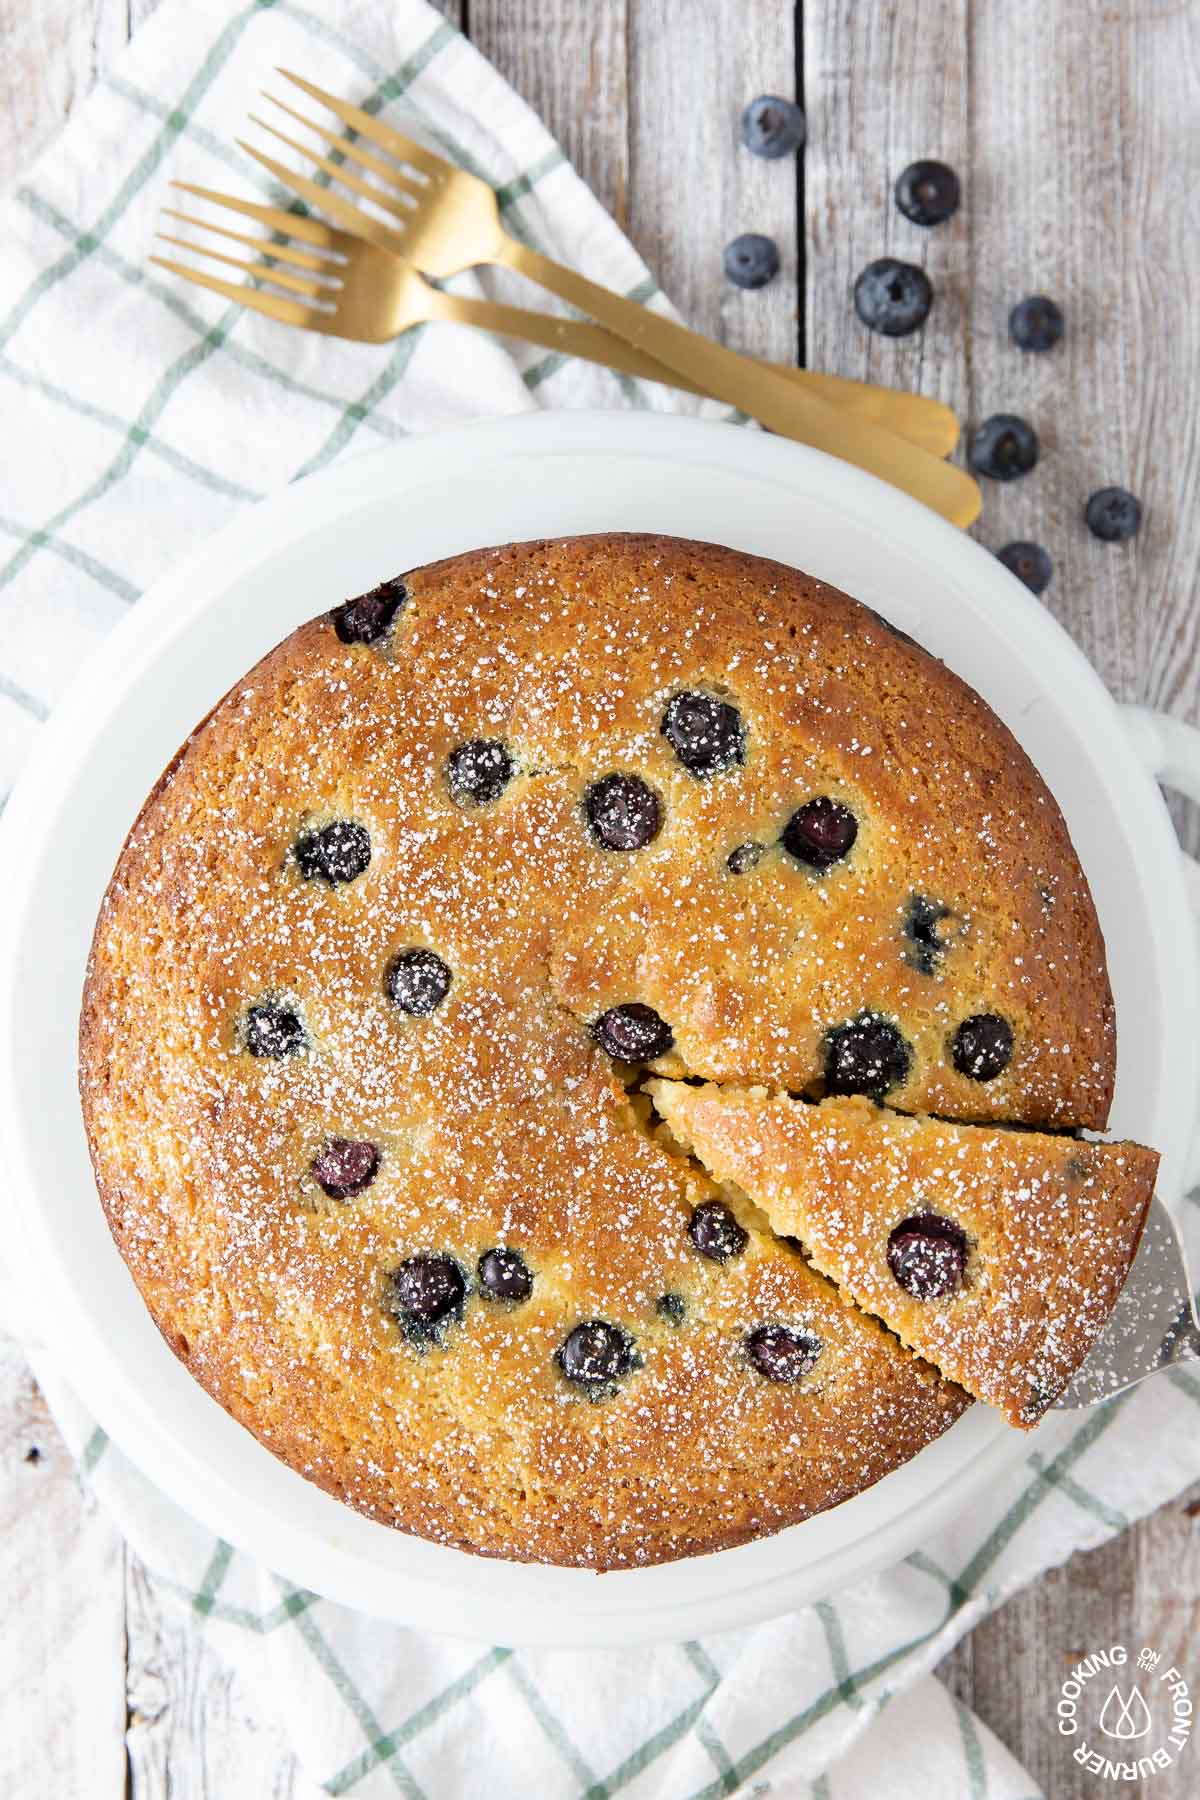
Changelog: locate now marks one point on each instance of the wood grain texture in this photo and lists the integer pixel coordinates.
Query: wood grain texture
(62, 1636)
(1074, 129)
(195, 1732)
(570, 64)
(1073, 126)
(692, 184)
(646, 97)
(49, 62)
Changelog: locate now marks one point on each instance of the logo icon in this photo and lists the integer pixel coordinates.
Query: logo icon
(1126, 1718)
(1146, 1715)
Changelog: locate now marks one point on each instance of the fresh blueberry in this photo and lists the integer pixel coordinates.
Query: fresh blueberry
(927, 1254)
(772, 126)
(1003, 447)
(671, 1308)
(623, 812)
(1029, 563)
(928, 192)
(706, 734)
(504, 1275)
(425, 1293)
(337, 853)
(345, 1167)
(368, 617)
(596, 1355)
(417, 982)
(820, 833)
(921, 923)
(479, 771)
(273, 1029)
(867, 1055)
(715, 1233)
(633, 1033)
(982, 1046)
(893, 297)
(782, 1353)
(751, 260)
(1035, 323)
(1113, 514)
(744, 856)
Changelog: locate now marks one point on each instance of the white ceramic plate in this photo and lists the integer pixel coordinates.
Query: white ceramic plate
(337, 534)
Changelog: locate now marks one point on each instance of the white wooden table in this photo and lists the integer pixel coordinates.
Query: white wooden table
(1065, 119)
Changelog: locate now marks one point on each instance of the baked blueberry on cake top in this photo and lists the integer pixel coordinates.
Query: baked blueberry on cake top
(389, 952)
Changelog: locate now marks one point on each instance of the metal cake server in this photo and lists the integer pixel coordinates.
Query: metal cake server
(1153, 1325)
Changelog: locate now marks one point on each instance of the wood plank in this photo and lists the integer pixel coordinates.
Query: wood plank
(646, 98)
(1046, 216)
(570, 64)
(692, 184)
(195, 1730)
(883, 86)
(1080, 164)
(46, 67)
(62, 1649)
(53, 51)
(1156, 340)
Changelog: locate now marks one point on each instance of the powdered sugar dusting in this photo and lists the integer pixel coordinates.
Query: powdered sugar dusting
(497, 1119)
(1051, 1224)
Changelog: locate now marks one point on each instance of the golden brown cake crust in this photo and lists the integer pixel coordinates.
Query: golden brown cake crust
(1051, 1225)
(498, 1118)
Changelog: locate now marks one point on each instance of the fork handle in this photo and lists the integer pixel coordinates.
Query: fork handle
(922, 421)
(757, 389)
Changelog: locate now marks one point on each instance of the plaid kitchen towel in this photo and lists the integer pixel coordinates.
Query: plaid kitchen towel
(140, 415)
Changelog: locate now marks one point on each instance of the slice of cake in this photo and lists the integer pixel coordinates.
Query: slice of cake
(994, 1252)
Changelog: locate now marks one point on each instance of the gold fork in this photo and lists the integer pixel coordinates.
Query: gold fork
(356, 290)
(447, 220)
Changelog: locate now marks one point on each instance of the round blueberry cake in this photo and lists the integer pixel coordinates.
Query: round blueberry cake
(400, 936)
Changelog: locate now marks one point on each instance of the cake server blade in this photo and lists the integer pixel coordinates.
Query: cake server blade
(1153, 1325)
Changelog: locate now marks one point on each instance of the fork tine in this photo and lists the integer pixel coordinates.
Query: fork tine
(397, 208)
(287, 312)
(386, 171)
(258, 271)
(302, 259)
(352, 217)
(385, 135)
(294, 224)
